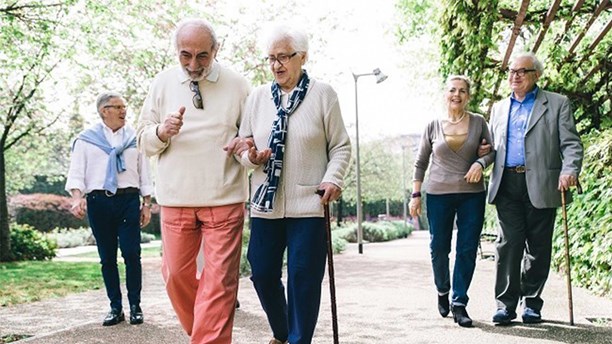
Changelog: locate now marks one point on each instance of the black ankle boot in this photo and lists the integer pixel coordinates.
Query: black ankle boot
(443, 306)
(461, 317)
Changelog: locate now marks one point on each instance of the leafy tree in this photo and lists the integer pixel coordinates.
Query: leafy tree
(381, 172)
(34, 41)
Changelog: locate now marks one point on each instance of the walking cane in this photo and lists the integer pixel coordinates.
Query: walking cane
(567, 254)
(330, 268)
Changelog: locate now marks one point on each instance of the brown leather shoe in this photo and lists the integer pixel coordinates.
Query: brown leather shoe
(276, 341)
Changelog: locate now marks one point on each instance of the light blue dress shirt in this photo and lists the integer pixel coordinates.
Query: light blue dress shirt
(520, 112)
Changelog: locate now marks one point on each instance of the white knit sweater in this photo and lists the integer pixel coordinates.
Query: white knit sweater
(192, 168)
(317, 148)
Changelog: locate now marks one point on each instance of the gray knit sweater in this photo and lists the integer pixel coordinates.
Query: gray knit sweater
(448, 167)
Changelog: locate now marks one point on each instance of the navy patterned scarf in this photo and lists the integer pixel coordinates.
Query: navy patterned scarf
(263, 200)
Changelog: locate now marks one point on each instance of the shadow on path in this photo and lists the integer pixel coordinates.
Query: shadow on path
(557, 331)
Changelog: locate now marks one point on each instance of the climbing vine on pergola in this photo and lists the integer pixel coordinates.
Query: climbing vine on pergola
(571, 37)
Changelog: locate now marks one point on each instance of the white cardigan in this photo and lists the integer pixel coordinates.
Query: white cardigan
(317, 148)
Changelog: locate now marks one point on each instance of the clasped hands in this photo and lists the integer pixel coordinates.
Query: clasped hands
(240, 145)
(331, 191)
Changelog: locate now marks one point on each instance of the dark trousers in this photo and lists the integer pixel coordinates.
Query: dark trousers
(441, 210)
(523, 246)
(115, 221)
(294, 318)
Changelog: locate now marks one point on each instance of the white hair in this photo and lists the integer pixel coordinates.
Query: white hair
(199, 23)
(104, 98)
(534, 60)
(298, 40)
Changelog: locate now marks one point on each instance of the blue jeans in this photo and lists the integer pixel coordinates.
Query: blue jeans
(441, 210)
(115, 221)
(294, 318)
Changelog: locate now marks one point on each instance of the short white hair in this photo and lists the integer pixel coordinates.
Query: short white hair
(199, 23)
(534, 60)
(279, 32)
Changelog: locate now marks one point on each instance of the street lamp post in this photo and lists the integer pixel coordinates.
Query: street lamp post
(380, 77)
(404, 182)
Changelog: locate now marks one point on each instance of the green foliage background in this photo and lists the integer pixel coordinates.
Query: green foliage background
(589, 219)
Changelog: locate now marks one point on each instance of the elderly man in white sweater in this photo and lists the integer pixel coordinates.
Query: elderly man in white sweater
(190, 115)
(307, 150)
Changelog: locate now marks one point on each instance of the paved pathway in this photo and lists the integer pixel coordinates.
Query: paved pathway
(385, 295)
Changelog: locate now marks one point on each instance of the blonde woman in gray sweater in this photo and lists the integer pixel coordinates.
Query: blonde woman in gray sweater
(449, 146)
(308, 149)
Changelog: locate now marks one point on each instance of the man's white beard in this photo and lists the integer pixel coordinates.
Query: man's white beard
(202, 76)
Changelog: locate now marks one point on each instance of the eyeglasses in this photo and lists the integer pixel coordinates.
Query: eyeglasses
(116, 107)
(197, 97)
(520, 72)
(281, 58)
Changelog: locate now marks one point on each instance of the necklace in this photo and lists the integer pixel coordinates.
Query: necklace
(456, 121)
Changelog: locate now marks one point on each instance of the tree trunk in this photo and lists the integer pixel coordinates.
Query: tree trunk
(5, 235)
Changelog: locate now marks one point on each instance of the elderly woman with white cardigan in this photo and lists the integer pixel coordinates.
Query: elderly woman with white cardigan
(308, 149)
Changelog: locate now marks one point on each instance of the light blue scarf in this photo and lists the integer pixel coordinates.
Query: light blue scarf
(116, 163)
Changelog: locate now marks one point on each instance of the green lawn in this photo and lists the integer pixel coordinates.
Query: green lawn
(36, 280)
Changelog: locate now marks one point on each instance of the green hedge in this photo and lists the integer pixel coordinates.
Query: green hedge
(375, 231)
(590, 220)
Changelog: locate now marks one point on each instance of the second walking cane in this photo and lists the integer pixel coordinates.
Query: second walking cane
(330, 268)
(567, 260)
(567, 253)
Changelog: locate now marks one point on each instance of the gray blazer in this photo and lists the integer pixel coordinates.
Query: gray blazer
(552, 147)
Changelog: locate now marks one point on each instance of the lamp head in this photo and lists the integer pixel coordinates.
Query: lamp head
(380, 77)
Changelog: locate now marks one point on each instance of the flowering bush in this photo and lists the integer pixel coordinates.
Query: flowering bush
(44, 212)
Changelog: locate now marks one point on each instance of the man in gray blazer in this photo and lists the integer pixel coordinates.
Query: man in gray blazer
(539, 154)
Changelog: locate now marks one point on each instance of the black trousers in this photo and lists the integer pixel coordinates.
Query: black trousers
(523, 247)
